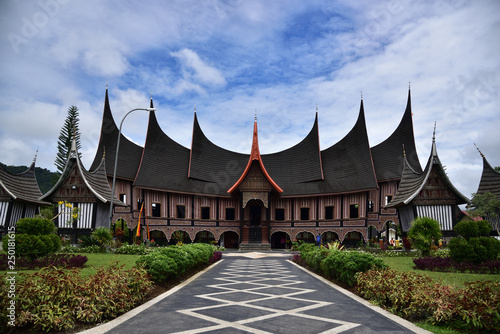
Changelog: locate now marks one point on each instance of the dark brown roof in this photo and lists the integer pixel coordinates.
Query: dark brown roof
(21, 186)
(388, 155)
(165, 165)
(412, 181)
(96, 181)
(490, 180)
(130, 153)
(348, 165)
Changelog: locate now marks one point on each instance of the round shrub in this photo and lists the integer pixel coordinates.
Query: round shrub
(476, 250)
(471, 229)
(161, 267)
(183, 259)
(314, 256)
(34, 246)
(35, 226)
(343, 266)
(424, 232)
(206, 249)
(196, 253)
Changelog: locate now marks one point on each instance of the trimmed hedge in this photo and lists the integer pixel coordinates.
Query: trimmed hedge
(161, 267)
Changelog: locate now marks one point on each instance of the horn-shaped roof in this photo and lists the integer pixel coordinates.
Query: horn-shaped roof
(413, 182)
(95, 181)
(21, 186)
(130, 153)
(490, 180)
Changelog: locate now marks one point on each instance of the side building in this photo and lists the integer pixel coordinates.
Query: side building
(259, 201)
(19, 197)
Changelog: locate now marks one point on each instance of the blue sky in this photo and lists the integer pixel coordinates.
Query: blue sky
(230, 58)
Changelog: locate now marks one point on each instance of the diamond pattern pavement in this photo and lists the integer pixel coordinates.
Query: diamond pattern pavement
(258, 294)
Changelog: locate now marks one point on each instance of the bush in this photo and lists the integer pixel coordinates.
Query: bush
(424, 232)
(34, 238)
(56, 299)
(161, 267)
(446, 264)
(103, 236)
(199, 254)
(216, 257)
(344, 266)
(419, 297)
(206, 250)
(314, 256)
(182, 258)
(35, 226)
(474, 228)
(474, 249)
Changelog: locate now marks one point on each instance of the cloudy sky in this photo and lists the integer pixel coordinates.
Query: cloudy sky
(231, 58)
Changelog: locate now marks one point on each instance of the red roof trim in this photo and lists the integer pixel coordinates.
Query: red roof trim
(255, 155)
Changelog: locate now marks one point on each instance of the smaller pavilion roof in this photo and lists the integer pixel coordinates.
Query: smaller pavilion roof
(22, 186)
(96, 181)
(490, 179)
(412, 182)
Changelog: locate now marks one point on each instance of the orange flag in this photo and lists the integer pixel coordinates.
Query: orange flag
(139, 223)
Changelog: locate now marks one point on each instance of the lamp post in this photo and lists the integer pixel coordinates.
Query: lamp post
(116, 161)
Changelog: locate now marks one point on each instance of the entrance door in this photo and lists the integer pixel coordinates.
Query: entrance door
(255, 211)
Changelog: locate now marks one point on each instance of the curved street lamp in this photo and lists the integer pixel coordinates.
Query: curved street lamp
(116, 162)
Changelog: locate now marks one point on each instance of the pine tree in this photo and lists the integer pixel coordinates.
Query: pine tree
(69, 129)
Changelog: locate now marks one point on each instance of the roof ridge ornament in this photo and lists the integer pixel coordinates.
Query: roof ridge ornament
(255, 117)
(434, 133)
(36, 154)
(482, 155)
(404, 151)
(195, 108)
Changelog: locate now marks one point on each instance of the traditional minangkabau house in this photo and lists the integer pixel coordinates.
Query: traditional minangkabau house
(208, 192)
(428, 194)
(19, 196)
(88, 192)
(490, 183)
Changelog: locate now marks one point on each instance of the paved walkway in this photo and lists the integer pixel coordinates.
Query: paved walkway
(257, 293)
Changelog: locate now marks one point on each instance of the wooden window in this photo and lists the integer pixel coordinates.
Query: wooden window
(354, 211)
(123, 198)
(280, 214)
(156, 210)
(230, 213)
(370, 206)
(329, 212)
(388, 199)
(304, 213)
(205, 212)
(181, 211)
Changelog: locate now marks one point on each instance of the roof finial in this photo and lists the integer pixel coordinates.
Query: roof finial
(151, 94)
(361, 95)
(409, 85)
(404, 151)
(106, 84)
(434, 133)
(195, 107)
(104, 152)
(479, 150)
(255, 118)
(36, 154)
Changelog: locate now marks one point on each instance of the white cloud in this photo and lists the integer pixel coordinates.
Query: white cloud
(198, 69)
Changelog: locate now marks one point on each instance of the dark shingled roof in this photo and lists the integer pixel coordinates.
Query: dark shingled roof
(96, 181)
(490, 180)
(388, 155)
(211, 163)
(348, 165)
(298, 164)
(412, 181)
(165, 165)
(130, 153)
(22, 186)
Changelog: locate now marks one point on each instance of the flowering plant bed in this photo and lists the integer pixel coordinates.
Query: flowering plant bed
(445, 264)
(52, 260)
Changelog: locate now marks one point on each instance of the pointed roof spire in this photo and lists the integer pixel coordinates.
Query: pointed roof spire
(151, 101)
(482, 155)
(36, 154)
(361, 95)
(255, 156)
(434, 133)
(195, 108)
(255, 117)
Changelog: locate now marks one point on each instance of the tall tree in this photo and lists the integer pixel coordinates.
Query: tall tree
(69, 129)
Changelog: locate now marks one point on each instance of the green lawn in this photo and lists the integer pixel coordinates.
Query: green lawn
(454, 279)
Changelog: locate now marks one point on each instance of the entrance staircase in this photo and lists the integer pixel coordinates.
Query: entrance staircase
(255, 239)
